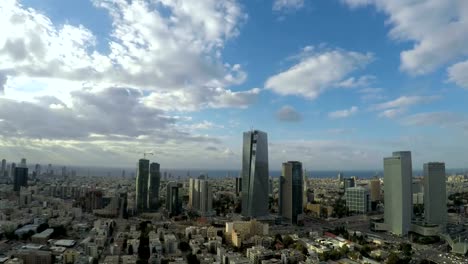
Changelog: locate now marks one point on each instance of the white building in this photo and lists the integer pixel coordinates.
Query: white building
(358, 200)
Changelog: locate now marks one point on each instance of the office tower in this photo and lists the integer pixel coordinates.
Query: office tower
(49, 169)
(64, 172)
(12, 171)
(305, 186)
(200, 195)
(154, 182)
(123, 173)
(348, 183)
(375, 190)
(23, 163)
(142, 185)
(255, 174)
(435, 194)
(358, 200)
(20, 178)
(165, 176)
(194, 193)
(37, 169)
(291, 191)
(206, 198)
(173, 203)
(398, 175)
(3, 169)
(340, 176)
(238, 186)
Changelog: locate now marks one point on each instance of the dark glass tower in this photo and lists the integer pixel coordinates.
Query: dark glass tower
(291, 191)
(154, 182)
(20, 178)
(142, 185)
(255, 174)
(173, 203)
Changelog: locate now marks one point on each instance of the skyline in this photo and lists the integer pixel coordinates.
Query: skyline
(339, 84)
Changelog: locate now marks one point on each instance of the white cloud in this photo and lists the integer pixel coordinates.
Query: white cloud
(343, 113)
(438, 29)
(458, 74)
(440, 119)
(400, 105)
(288, 114)
(362, 81)
(317, 71)
(287, 4)
(163, 47)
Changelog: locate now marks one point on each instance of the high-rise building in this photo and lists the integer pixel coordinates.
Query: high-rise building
(238, 186)
(173, 203)
(375, 190)
(37, 170)
(340, 176)
(154, 182)
(291, 191)
(12, 171)
(348, 183)
(20, 178)
(3, 169)
(398, 174)
(255, 174)
(358, 200)
(23, 163)
(305, 186)
(142, 185)
(435, 193)
(200, 196)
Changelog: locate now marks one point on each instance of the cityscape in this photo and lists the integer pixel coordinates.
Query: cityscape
(233, 131)
(52, 216)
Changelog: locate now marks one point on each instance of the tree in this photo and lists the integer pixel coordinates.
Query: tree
(124, 245)
(192, 259)
(130, 249)
(406, 248)
(287, 241)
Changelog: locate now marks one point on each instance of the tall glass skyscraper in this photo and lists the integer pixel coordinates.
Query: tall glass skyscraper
(398, 181)
(153, 186)
(435, 193)
(255, 174)
(142, 185)
(173, 203)
(291, 191)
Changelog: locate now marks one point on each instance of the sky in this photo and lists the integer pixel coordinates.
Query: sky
(336, 84)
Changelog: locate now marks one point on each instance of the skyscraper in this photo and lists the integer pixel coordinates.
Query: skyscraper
(238, 186)
(20, 178)
(375, 190)
(435, 193)
(12, 171)
(23, 163)
(154, 182)
(3, 169)
(172, 199)
(200, 195)
(255, 174)
(291, 191)
(142, 185)
(398, 174)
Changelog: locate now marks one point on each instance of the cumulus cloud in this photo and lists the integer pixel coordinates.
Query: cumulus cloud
(400, 105)
(287, 4)
(343, 113)
(318, 71)
(458, 74)
(168, 47)
(437, 28)
(288, 114)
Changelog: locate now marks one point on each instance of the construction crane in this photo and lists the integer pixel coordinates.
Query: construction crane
(147, 153)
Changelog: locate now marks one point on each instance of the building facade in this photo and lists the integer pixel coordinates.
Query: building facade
(398, 174)
(291, 191)
(255, 175)
(201, 196)
(173, 203)
(435, 193)
(20, 178)
(142, 185)
(358, 200)
(153, 186)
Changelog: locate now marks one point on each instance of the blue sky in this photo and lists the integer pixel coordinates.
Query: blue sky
(337, 84)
